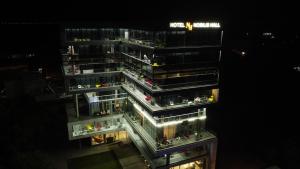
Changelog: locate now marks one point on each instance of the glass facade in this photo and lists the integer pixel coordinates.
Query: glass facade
(84, 82)
(87, 34)
(106, 104)
(169, 130)
(185, 97)
(109, 137)
(169, 69)
(95, 126)
(108, 65)
(156, 83)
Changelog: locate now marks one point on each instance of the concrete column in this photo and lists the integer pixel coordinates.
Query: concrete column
(126, 35)
(112, 49)
(76, 106)
(213, 154)
(116, 93)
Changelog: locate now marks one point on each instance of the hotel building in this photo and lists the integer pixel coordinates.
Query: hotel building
(150, 87)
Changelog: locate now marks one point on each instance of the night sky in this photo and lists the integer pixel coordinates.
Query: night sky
(256, 119)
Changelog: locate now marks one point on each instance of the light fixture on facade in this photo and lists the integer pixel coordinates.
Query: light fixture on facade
(151, 120)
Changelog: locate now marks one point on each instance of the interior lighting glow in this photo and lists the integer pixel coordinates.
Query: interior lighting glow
(151, 120)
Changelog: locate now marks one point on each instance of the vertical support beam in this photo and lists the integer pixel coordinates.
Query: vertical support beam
(116, 93)
(168, 160)
(67, 84)
(114, 101)
(80, 144)
(76, 106)
(221, 39)
(213, 154)
(112, 49)
(220, 55)
(221, 42)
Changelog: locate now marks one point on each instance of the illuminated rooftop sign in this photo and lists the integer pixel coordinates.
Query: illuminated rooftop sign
(190, 25)
(177, 25)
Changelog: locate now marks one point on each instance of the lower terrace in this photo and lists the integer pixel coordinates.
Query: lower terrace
(173, 144)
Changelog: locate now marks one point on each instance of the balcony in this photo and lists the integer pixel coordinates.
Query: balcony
(103, 58)
(171, 88)
(88, 41)
(147, 62)
(176, 158)
(91, 126)
(141, 81)
(140, 43)
(169, 120)
(165, 146)
(76, 72)
(172, 120)
(154, 107)
(104, 98)
(94, 88)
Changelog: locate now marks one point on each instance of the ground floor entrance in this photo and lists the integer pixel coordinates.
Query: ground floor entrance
(110, 137)
(199, 164)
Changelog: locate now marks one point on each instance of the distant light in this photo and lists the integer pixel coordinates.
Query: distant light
(29, 55)
(243, 53)
(40, 70)
(297, 68)
(267, 34)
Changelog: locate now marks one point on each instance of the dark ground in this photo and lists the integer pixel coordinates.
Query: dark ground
(104, 160)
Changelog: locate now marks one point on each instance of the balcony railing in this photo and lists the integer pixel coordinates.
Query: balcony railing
(169, 120)
(94, 130)
(172, 143)
(195, 115)
(103, 98)
(93, 87)
(142, 43)
(154, 106)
